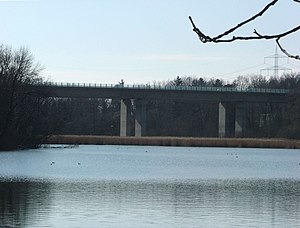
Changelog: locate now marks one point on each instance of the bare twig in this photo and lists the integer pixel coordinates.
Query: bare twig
(205, 38)
(285, 52)
(218, 39)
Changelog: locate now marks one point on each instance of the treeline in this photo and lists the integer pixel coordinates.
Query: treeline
(286, 81)
(27, 117)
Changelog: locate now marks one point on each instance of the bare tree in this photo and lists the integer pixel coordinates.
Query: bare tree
(221, 38)
(20, 107)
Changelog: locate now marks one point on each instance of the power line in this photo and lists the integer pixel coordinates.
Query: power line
(241, 70)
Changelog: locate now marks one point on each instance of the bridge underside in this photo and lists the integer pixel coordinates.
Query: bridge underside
(231, 122)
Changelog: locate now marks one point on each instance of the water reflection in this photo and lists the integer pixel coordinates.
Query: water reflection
(21, 199)
(188, 203)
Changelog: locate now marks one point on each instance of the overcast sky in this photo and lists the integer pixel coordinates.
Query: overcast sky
(141, 41)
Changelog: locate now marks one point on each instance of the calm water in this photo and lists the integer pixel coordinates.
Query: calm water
(128, 186)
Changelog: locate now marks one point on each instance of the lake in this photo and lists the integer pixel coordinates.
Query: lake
(137, 186)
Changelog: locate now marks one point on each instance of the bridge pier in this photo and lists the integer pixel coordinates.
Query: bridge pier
(240, 119)
(232, 119)
(125, 114)
(140, 117)
(222, 120)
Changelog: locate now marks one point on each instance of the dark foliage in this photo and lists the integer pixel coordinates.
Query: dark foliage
(22, 111)
(87, 116)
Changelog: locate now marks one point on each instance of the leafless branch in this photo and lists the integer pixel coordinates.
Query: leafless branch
(218, 39)
(285, 52)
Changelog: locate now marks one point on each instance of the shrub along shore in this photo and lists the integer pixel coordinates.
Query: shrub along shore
(174, 141)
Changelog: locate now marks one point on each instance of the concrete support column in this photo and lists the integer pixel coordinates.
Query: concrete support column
(226, 119)
(240, 119)
(125, 114)
(222, 120)
(140, 117)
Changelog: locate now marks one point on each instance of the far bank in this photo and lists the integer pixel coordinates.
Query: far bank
(174, 141)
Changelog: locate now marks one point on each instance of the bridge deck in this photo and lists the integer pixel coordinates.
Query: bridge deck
(160, 87)
(157, 92)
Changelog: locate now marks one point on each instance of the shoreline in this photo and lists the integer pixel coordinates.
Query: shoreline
(174, 141)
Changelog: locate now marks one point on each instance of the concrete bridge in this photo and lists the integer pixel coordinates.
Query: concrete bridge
(231, 100)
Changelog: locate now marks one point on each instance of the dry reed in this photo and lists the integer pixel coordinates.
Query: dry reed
(174, 141)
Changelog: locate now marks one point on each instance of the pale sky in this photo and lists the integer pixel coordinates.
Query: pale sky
(104, 41)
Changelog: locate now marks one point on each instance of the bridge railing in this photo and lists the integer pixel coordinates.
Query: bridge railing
(161, 87)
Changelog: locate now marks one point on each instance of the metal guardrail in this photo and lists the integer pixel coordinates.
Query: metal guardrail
(159, 87)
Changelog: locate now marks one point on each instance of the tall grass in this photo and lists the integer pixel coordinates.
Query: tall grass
(174, 141)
